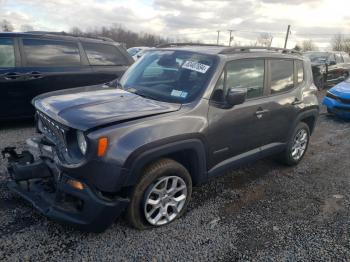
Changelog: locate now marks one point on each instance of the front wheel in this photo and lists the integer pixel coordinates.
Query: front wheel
(161, 195)
(297, 145)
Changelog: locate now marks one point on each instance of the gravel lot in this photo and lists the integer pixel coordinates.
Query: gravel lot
(263, 212)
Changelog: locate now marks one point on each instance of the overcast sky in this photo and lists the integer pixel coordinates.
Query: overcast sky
(191, 19)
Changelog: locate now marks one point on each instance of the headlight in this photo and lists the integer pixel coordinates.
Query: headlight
(81, 142)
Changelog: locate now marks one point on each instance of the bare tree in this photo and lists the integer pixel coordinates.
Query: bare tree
(265, 39)
(337, 42)
(119, 34)
(308, 45)
(340, 43)
(6, 26)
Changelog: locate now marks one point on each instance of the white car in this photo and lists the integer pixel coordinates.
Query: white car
(137, 51)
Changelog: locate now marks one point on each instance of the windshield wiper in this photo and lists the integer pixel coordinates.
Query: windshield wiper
(140, 94)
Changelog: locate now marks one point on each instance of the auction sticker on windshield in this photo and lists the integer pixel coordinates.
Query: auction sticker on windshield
(198, 67)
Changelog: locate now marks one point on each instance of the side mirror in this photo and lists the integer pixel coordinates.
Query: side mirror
(236, 96)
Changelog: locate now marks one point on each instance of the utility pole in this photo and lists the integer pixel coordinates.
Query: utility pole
(229, 43)
(287, 35)
(217, 41)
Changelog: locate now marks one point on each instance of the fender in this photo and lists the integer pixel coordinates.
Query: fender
(314, 111)
(148, 153)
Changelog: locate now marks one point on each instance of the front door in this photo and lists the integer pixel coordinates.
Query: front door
(241, 129)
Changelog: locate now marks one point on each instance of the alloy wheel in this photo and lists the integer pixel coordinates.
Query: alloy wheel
(300, 144)
(164, 200)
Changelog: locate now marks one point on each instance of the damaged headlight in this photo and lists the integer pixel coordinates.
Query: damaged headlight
(82, 142)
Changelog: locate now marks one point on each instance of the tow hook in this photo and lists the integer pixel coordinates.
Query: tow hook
(23, 167)
(13, 157)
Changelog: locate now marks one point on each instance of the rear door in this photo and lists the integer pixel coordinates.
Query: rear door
(10, 78)
(283, 100)
(49, 65)
(108, 62)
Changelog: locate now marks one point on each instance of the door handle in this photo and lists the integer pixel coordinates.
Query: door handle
(260, 112)
(296, 102)
(34, 75)
(11, 76)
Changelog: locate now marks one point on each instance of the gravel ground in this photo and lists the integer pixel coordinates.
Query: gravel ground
(262, 212)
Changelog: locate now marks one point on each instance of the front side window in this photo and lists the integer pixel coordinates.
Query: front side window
(40, 52)
(169, 76)
(7, 53)
(247, 74)
(282, 75)
(102, 54)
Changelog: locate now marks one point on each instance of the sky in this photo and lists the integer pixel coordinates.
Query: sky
(192, 20)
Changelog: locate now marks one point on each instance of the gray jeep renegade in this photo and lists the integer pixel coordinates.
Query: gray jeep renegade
(179, 116)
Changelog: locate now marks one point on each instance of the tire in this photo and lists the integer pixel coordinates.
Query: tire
(287, 156)
(151, 186)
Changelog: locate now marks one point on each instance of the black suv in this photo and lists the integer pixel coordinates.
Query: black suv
(329, 68)
(39, 62)
(179, 116)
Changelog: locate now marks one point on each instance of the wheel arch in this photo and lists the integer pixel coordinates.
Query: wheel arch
(191, 153)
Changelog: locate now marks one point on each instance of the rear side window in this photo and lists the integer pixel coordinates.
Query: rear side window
(39, 52)
(247, 74)
(300, 71)
(101, 54)
(7, 53)
(282, 75)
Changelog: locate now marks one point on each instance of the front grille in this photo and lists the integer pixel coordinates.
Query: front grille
(53, 130)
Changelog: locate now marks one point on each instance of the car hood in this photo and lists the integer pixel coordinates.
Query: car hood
(91, 109)
(341, 90)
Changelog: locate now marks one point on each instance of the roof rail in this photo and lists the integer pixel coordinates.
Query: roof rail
(69, 34)
(185, 44)
(239, 49)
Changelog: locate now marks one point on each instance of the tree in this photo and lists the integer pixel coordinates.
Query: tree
(6, 26)
(265, 39)
(308, 45)
(340, 43)
(297, 48)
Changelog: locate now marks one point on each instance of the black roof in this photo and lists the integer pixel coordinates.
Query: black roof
(55, 35)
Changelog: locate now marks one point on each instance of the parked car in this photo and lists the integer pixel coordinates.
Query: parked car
(181, 116)
(137, 52)
(337, 100)
(329, 68)
(39, 62)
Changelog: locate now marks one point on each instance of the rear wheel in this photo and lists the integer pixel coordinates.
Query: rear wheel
(297, 145)
(161, 195)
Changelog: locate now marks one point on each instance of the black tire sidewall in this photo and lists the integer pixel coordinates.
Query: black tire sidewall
(151, 174)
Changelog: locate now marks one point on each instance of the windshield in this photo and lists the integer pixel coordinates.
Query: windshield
(318, 57)
(169, 76)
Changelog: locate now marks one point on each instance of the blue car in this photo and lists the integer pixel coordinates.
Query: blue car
(337, 100)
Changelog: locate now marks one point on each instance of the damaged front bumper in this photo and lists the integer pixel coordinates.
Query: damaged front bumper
(56, 194)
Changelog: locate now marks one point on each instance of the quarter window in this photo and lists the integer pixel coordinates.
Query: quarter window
(7, 53)
(101, 54)
(248, 74)
(41, 52)
(282, 72)
(300, 71)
